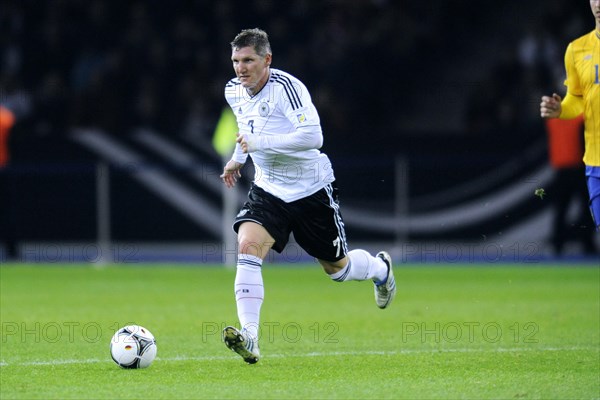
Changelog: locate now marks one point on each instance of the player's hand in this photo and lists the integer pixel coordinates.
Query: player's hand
(550, 107)
(241, 140)
(247, 144)
(231, 173)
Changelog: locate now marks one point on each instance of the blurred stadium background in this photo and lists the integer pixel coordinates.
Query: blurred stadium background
(429, 111)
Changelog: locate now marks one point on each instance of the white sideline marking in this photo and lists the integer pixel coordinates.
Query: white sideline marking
(304, 355)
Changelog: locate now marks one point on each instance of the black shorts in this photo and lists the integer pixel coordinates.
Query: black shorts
(315, 220)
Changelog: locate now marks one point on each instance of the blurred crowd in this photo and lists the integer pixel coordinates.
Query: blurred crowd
(163, 65)
(118, 65)
(511, 90)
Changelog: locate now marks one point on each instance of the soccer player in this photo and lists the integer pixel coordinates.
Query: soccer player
(582, 63)
(294, 188)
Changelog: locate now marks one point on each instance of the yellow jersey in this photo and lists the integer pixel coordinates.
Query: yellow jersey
(582, 63)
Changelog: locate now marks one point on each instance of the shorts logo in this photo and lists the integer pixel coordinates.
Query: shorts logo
(263, 109)
(242, 213)
(301, 117)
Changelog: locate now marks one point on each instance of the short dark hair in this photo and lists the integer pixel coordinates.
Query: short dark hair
(256, 38)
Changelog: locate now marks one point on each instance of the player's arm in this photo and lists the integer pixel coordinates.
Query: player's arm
(232, 170)
(568, 108)
(572, 105)
(305, 137)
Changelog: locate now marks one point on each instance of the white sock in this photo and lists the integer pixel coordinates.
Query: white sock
(362, 266)
(249, 292)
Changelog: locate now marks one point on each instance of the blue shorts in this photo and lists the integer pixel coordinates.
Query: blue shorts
(593, 183)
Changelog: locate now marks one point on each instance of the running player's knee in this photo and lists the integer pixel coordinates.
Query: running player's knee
(254, 245)
(254, 239)
(251, 247)
(333, 267)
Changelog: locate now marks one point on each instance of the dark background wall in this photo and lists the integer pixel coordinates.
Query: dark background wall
(451, 87)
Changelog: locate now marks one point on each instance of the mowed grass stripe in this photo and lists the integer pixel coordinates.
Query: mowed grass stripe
(312, 354)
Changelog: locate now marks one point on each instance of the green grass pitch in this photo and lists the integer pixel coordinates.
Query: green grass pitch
(472, 331)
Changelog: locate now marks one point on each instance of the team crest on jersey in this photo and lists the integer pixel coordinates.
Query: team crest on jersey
(263, 109)
(301, 117)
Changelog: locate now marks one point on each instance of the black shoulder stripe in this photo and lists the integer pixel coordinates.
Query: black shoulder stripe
(287, 81)
(233, 82)
(290, 91)
(289, 95)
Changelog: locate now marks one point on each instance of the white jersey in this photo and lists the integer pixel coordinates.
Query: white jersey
(284, 125)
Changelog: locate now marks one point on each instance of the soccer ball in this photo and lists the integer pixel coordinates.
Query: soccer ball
(133, 346)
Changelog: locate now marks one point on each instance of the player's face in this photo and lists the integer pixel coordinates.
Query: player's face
(595, 4)
(251, 69)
